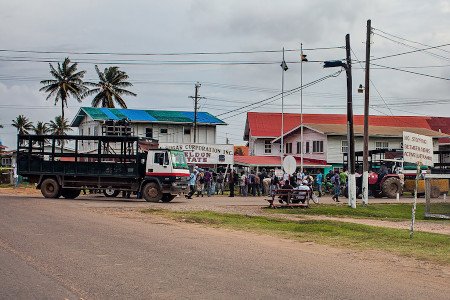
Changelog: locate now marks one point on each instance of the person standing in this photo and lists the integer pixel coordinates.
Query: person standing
(243, 184)
(258, 184)
(266, 184)
(337, 186)
(208, 182)
(231, 182)
(319, 180)
(219, 184)
(200, 182)
(252, 183)
(192, 178)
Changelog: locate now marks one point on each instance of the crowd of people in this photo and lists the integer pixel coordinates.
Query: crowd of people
(205, 181)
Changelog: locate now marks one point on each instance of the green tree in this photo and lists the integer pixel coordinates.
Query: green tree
(59, 127)
(41, 128)
(110, 88)
(67, 83)
(22, 124)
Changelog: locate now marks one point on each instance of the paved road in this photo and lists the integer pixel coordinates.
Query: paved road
(73, 249)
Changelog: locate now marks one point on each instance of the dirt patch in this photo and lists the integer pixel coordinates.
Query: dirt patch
(20, 191)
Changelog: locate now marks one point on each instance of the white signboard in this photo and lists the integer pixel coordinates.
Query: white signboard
(204, 154)
(417, 148)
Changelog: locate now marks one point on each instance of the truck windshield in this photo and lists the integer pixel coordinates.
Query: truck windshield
(178, 160)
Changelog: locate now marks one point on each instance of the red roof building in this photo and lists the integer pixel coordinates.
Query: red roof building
(325, 135)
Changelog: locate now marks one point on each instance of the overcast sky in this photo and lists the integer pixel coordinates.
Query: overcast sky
(229, 81)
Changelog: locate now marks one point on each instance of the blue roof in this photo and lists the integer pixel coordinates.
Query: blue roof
(145, 116)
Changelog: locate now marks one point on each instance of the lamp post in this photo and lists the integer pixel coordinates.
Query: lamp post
(350, 133)
(284, 68)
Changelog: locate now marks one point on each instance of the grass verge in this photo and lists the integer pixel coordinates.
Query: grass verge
(393, 212)
(424, 246)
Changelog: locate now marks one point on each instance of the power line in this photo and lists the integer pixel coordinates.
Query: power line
(411, 72)
(408, 52)
(409, 46)
(398, 37)
(162, 53)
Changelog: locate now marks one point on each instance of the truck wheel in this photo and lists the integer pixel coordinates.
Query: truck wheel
(435, 192)
(50, 188)
(70, 193)
(109, 192)
(391, 187)
(152, 192)
(167, 197)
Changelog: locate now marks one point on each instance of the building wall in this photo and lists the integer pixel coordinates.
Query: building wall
(169, 133)
(309, 136)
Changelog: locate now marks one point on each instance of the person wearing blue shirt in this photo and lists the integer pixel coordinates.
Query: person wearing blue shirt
(192, 180)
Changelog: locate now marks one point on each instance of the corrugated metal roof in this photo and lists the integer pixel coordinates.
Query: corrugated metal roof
(381, 131)
(150, 116)
(263, 124)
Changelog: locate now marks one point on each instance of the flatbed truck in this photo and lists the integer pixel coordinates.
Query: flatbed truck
(113, 163)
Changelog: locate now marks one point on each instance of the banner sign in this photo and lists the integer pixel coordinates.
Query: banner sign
(206, 154)
(417, 148)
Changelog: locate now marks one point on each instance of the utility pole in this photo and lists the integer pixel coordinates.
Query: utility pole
(365, 183)
(196, 99)
(301, 109)
(350, 133)
(284, 68)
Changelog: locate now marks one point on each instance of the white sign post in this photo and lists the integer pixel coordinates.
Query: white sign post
(417, 149)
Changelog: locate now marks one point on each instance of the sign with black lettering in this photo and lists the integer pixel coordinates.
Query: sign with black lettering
(417, 149)
(204, 154)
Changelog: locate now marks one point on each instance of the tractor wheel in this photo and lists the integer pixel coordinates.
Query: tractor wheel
(152, 192)
(391, 187)
(167, 197)
(435, 192)
(70, 193)
(50, 188)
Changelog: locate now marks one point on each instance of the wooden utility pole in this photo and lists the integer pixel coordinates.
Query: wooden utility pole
(365, 183)
(196, 99)
(350, 133)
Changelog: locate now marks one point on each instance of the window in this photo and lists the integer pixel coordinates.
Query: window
(161, 156)
(299, 145)
(149, 133)
(307, 147)
(381, 145)
(187, 131)
(163, 130)
(317, 146)
(344, 146)
(267, 146)
(288, 147)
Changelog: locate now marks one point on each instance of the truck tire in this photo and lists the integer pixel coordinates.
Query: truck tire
(152, 192)
(391, 187)
(167, 197)
(435, 192)
(70, 193)
(50, 188)
(109, 192)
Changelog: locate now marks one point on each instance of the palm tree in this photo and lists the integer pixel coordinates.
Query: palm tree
(22, 124)
(110, 88)
(59, 127)
(67, 83)
(41, 128)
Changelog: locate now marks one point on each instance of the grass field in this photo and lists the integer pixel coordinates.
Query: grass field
(425, 246)
(393, 212)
